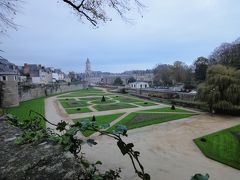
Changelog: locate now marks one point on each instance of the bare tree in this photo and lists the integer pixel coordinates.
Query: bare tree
(93, 11)
(8, 10)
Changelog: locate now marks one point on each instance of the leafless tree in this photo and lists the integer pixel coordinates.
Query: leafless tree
(8, 10)
(93, 11)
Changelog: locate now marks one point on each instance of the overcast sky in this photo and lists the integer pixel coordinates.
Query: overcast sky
(51, 35)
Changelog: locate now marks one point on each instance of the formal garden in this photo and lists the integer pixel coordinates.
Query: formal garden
(132, 112)
(89, 100)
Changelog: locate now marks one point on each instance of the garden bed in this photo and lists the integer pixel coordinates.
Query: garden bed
(137, 120)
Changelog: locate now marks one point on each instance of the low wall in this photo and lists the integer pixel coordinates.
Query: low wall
(32, 92)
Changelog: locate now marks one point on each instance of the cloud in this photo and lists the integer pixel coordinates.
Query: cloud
(169, 30)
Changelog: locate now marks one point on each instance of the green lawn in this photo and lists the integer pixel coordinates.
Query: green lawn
(137, 120)
(22, 111)
(73, 103)
(102, 103)
(106, 107)
(222, 146)
(84, 92)
(100, 120)
(91, 98)
(78, 110)
(145, 103)
(168, 109)
(126, 99)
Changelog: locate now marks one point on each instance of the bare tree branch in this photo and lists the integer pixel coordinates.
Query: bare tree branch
(95, 10)
(8, 11)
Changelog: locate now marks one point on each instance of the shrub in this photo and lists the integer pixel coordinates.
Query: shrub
(225, 107)
(165, 95)
(173, 107)
(103, 99)
(191, 104)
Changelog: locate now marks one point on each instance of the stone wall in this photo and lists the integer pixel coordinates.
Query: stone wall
(44, 160)
(9, 94)
(28, 92)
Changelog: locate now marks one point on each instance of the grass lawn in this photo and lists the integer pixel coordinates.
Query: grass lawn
(168, 109)
(84, 94)
(126, 99)
(145, 103)
(73, 103)
(100, 120)
(106, 107)
(78, 110)
(91, 98)
(137, 120)
(102, 103)
(22, 111)
(222, 146)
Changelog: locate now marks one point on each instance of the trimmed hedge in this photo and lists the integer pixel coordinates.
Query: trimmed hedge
(224, 107)
(164, 95)
(192, 104)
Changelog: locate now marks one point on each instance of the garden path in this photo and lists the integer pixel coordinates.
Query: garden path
(167, 150)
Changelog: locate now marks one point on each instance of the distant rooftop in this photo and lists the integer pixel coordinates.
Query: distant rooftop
(6, 67)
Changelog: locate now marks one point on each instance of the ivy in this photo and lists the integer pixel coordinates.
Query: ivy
(61, 126)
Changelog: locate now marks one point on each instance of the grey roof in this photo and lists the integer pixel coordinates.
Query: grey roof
(8, 73)
(6, 67)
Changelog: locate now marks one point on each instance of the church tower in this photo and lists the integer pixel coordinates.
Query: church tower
(88, 71)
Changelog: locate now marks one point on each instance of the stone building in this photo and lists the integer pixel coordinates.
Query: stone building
(38, 74)
(8, 84)
(139, 85)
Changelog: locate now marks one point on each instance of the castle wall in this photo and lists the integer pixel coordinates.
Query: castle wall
(9, 94)
(29, 92)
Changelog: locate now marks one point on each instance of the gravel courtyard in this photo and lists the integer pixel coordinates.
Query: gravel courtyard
(167, 150)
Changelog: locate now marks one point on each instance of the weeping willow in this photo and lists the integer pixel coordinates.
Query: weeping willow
(221, 90)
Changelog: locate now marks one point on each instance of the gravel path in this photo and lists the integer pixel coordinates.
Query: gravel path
(54, 112)
(167, 150)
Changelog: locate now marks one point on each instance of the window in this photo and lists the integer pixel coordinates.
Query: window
(4, 78)
(15, 78)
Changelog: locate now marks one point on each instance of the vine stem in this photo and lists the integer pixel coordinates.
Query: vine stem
(117, 137)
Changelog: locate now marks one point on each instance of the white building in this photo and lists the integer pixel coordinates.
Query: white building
(139, 85)
(178, 87)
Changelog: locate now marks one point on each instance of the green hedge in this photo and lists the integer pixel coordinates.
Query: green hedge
(191, 104)
(224, 107)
